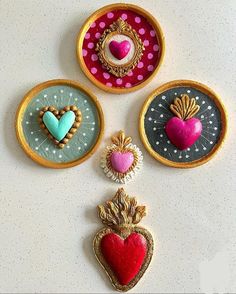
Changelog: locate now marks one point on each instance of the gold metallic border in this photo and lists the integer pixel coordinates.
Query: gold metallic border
(20, 114)
(105, 266)
(92, 19)
(183, 83)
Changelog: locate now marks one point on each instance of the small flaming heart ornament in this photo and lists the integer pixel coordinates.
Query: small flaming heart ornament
(184, 129)
(60, 125)
(121, 160)
(122, 248)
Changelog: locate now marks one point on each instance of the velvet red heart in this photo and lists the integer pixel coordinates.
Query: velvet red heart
(119, 49)
(124, 256)
(183, 133)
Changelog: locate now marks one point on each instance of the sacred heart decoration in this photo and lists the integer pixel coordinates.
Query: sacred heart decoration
(60, 125)
(120, 48)
(122, 248)
(183, 130)
(121, 160)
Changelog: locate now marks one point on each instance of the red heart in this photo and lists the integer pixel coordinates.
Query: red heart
(183, 133)
(124, 256)
(119, 50)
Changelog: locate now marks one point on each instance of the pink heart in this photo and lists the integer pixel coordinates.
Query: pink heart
(119, 49)
(121, 162)
(183, 133)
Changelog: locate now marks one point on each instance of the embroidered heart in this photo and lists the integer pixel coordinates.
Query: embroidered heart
(60, 126)
(124, 256)
(183, 133)
(121, 161)
(119, 49)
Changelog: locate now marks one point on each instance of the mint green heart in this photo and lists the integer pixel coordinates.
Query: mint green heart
(59, 128)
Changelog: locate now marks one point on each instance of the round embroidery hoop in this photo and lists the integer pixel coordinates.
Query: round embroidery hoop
(153, 69)
(152, 131)
(60, 89)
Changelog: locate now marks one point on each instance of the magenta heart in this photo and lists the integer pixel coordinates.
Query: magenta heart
(119, 49)
(121, 162)
(183, 133)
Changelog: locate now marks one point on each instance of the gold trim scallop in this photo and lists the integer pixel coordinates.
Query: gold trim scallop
(20, 114)
(183, 83)
(92, 19)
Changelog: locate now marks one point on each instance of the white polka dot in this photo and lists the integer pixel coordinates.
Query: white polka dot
(204, 148)
(211, 142)
(210, 122)
(141, 31)
(146, 43)
(87, 36)
(152, 33)
(85, 101)
(92, 129)
(154, 129)
(94, 57)
(60, 156)
(85, 144)
(212, 114)
(197, 97)
(150, 67)
(54, 151)
(175, 151)
(93, 123)
(46, 149)
(37, 100)
(188, 91)
(196, 149)
(180, 156)
(84, 134)
(165, 149)
(106, 75)
(130, 74)
(94, 70)
(202, 116)
(97, 35)
(161, 115)
(203, 102)
(155, 47)
(168, 142)
(124, 16)
(137, 19)
(157, 142)
(155, 121)
(31, 114)
(187, 156)
(102, 24)
(209, 107)
(36, 139)
(128, 85)
(71, 94)
(84, 52)
(175, 94)
(149, 118)
(150, 55)
(37, 148)
(161, 135)
(45, 95)
(55, 96)
(87, 116)
(163, 97)
(188, 149)
(93, 25)
(152, 109)
(140, 77)
(215, 128)
(68, 146)
(31, 133)
(160, 105)
(110, 15)
(37, 109)
(119, 81)
(140, 64)
(90, 45)
(27, 122)
(61, 91)
(79, 148)
(109, 84)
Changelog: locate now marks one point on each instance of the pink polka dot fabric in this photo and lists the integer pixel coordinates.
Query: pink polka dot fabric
(148, 62)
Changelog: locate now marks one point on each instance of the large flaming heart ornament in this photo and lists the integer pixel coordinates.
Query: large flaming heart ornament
(184, 129)
(121, 160)
(122, 248)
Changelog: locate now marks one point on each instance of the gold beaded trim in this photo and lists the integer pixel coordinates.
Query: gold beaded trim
(58, 114)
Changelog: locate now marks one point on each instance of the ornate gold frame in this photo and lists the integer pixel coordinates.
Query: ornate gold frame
(126, 226)
(120, 27)
(179, 83)
(19, 129)
(93, 18)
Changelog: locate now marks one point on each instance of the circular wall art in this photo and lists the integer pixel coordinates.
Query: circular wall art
(120, 47)
(183, 123)
(59, 123)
